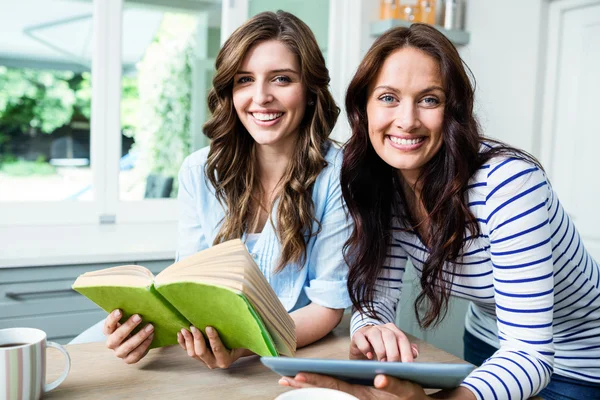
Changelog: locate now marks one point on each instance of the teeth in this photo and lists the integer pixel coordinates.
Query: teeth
(405, 141)
(266, 117)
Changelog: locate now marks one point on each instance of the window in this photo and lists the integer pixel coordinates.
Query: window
(100, 101)
(168, 62)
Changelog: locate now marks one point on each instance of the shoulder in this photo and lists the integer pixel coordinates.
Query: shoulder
(191, 173)
(193, 165)
(196, 160)
(334, 157)
(507, 170)
(330, 175)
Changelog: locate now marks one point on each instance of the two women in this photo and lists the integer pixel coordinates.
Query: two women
(477, 219)
(271, 177)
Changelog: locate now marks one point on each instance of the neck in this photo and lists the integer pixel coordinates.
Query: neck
(409, 180)
(272, 164)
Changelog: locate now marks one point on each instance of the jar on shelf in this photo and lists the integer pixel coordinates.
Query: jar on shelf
(427, 12)
(409, 13)
(388, 9)
(453, 14)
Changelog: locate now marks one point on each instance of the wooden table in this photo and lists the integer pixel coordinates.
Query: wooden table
(169, 373)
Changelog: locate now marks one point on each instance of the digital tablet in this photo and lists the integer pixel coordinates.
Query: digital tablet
(428, 375)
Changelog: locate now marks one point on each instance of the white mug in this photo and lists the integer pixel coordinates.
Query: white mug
(23, 364)
(315, 394)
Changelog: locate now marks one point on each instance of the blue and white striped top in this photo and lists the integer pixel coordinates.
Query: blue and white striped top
(534, 289)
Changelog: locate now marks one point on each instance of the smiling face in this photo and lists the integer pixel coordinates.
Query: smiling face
(269, 96)
(405, 110)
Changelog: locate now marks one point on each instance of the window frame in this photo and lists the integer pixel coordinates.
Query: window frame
(106, 228)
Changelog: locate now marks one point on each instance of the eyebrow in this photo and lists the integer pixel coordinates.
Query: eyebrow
(427, 89)
(275, 71)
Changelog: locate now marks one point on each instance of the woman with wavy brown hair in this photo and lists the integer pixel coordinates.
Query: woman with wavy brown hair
(477, 218)
(270, 177)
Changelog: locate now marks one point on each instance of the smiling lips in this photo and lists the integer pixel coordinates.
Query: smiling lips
(406, 144)
(266, 118)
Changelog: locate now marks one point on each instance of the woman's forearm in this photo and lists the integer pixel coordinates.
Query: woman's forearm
(314, 321)
(460, 392)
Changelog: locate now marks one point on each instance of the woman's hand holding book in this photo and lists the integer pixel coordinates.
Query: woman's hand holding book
(214, 353)
(130, 348)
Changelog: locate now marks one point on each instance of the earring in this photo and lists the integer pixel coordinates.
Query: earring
(311, 102)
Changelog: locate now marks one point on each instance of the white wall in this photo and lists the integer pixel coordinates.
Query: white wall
(504, 54)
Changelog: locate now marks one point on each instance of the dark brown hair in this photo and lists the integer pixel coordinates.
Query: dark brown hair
(231, 165)
(373, 191)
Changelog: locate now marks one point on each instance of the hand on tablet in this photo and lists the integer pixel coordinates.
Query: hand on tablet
(214, 353)
(386, 388)
(382, 342)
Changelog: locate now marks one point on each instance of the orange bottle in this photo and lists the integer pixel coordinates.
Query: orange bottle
(388, 9)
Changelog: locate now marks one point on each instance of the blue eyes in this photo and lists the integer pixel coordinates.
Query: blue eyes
(426, 101)
(431, 101)
(281, 79)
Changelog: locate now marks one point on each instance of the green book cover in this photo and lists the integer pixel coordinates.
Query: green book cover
(146, 302)
(174, 306)
(221, 287)
(230, 313)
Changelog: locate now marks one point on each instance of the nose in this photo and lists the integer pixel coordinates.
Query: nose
(262, 94)
(407, 116)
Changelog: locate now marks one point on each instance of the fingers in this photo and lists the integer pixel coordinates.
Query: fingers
(110, 324)
(396, 386)
(139, 352)
(221, 353)
(360, 343)
(406, 352)
(131, 344)
(304, 379)
(120, 334)
(181, 340)
(387, 342)
(374, 336)
(200, 348)
(415, 350)
(196, 347)
(390, 343)
(291, 382)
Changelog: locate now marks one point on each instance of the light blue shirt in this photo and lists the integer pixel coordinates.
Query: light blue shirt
(322, 278)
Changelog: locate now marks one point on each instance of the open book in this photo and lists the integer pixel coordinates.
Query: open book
(220, 287)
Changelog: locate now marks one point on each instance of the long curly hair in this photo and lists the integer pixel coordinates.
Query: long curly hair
(231, 166)
(444, 179)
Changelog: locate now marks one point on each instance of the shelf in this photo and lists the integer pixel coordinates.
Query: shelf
(458, 37)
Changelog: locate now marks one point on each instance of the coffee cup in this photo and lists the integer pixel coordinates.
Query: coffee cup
(23, 364)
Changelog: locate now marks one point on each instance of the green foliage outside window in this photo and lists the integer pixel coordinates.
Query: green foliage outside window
(164, 83)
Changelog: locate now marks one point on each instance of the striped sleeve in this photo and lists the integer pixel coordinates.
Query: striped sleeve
(521, 256)
(388, 288)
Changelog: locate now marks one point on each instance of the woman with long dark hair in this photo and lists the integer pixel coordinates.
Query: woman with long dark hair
(478, 219)
(271, 177)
